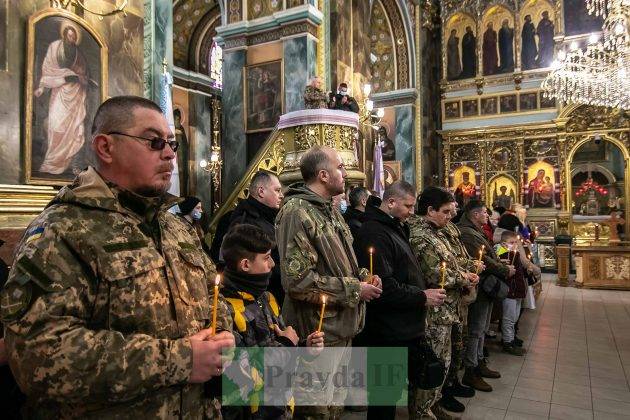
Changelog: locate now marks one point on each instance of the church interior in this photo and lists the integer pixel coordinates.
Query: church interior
(523, 104)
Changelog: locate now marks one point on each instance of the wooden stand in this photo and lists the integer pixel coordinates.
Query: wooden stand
(602, 267)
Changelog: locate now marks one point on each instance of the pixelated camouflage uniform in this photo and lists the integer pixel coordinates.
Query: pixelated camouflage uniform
(315, 98)
(431, 249)
(317, 258)
(105, 288)
(458, 333)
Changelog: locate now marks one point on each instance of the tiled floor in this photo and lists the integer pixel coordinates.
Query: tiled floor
(577, 364)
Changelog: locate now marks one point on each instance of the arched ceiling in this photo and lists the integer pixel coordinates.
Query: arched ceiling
(190, 21)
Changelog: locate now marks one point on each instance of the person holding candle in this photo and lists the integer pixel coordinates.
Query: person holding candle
(508, 250)
(397, 319)
(479, 311)
(107, 310)
(316, 258)
(434, 208)
(255, 311)
(512, 223)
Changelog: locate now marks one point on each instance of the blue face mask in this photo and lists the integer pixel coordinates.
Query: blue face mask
(343, 206)
(196, 214)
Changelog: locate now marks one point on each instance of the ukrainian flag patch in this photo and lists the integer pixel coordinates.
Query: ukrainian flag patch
(34, 233)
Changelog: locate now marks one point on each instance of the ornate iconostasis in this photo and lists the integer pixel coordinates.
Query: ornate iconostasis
(566, 165)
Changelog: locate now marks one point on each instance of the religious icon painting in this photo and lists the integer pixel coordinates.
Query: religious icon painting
(537, 33)
(263, 95)
(577, 19)
(546, 102)
(497, 46)
(528, 101)
(489, 106)
(451, 110)
(507, 103)
(541, 182)
(66, 81)
(470, 108)
(461, 47)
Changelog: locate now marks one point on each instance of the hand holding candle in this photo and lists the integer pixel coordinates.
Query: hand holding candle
(215, 303)
(321, 314)
(483, 247)
(515, 247)
(443, 270)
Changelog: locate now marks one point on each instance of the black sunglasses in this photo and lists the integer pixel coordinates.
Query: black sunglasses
(157, 143)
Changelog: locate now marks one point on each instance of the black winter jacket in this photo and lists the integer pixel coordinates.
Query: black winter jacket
(473, 238)
(354, 220)
(400, 312)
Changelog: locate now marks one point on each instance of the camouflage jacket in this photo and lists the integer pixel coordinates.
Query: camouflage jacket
(452, 235)
(431, 249)
(105, 288)
(316, 259)
(315, 98)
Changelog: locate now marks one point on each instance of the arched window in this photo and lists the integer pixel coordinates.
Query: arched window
(215, 64)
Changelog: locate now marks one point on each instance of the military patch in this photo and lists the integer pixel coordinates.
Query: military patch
(296, 266)
(33, 234)
(15, 299)
(125, 246)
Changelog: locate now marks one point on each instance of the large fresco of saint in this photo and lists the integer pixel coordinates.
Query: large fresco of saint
(65, 84)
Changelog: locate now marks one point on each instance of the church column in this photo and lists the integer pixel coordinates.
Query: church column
(234, 143)
(300, 64)
(158, 45)
(404, 141)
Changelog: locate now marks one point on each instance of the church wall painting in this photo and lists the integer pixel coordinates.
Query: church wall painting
(577, 20)
(538, 25)
(464, 184)
(502, 191)
(451, 110)
(461, 47)
(528, 101)
(66, 80)
(489, 106)
(263, 95)
(497, 42)
(470, 108)
(507, 103)
(541, 186)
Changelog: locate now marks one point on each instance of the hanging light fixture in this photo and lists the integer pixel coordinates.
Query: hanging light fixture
(596, 74)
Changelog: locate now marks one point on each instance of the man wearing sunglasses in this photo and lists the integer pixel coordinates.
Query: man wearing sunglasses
(107, 310)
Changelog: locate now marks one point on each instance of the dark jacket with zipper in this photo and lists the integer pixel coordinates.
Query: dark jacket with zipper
(473, 239)
(253, 212)
(400, 312)
(354, 219)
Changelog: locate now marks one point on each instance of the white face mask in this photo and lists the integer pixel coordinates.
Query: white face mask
(343, 206)
(196, 214)
(343, 92)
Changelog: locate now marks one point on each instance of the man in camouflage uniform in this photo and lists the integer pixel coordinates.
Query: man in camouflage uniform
(317, 261)
(314, 96)
(107, 308)
(452, 385)
(441, 268)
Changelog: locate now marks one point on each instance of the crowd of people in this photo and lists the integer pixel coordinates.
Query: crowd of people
(109, 309)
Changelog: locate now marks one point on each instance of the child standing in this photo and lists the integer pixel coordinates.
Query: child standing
(508, 249)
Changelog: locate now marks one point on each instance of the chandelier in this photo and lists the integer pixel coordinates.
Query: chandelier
(598, 73)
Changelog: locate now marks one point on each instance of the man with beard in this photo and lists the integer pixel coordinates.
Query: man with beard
(317, 263)
(107, 309)
(528, 51)
(469, 54)
(260, 209)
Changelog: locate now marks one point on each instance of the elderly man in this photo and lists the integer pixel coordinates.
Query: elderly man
(260, 209)
(314, 96)
(107, 310)
(317, 260)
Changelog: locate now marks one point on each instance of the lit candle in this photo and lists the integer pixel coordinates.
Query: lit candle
(371, 251)
(215, 303)
(443, 270)
(321, 314)
(480, 257)
(513, 256)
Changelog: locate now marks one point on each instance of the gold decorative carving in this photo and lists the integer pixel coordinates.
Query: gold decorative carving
(617, 268)
(306, 136)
